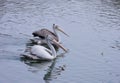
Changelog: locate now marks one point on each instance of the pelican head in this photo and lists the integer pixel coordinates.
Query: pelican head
(59, 29)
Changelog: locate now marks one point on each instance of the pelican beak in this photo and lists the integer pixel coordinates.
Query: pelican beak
(62, 31)
(60, 45)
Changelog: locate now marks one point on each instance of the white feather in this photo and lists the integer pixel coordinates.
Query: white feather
(41, 52)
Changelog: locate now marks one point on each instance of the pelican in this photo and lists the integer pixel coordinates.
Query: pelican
(43, 32)
(39, 52)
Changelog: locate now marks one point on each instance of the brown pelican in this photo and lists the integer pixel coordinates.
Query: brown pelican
(39, 52)
(43, 32)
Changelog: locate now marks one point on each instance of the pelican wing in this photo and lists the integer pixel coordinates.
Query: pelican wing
(41, 52)
(43, 32)
(49, 51)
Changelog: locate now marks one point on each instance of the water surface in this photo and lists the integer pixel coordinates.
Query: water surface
(94, 42)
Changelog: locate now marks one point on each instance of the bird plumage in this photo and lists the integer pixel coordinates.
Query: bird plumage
(43, 32)
(39, 52)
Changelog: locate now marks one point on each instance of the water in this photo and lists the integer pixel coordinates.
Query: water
(94, 42)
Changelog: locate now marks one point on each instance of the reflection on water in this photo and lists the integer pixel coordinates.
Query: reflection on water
(52, 71)
(94, 43)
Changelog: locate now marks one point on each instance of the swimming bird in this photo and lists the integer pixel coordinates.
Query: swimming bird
(43, 32)
(39, 52)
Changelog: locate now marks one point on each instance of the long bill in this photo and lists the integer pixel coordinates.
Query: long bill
(62, 31)
(58, 44)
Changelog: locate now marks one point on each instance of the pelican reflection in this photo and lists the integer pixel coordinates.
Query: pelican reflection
(50, 67)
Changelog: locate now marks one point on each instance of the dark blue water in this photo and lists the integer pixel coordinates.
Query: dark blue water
(94, 42)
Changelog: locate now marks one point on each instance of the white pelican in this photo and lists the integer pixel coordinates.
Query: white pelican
(39, 52)
(43, 32)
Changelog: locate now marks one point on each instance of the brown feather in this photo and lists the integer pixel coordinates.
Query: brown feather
(43, 32)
